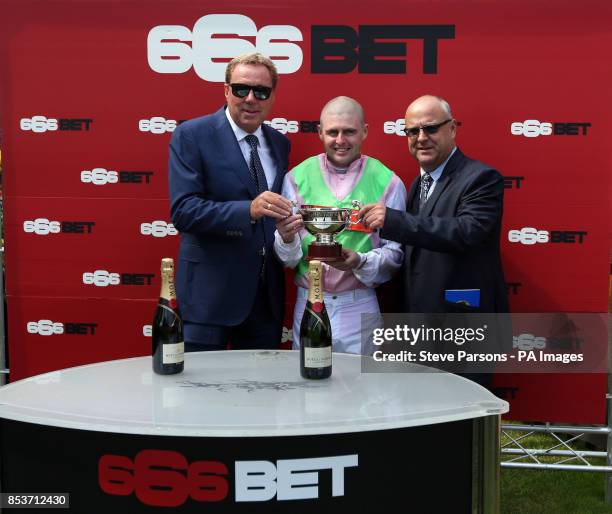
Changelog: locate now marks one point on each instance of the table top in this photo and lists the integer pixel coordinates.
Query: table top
(243, 394)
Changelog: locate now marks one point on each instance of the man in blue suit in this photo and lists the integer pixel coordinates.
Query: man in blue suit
(225, 175)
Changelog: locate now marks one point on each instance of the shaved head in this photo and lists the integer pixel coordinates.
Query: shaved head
(343, 105)
(342, 130)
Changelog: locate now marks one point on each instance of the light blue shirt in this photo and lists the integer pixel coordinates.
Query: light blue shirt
(437, 173)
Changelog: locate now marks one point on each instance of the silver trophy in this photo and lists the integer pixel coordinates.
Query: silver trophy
(325, 223)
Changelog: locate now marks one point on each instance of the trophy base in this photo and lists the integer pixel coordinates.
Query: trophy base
(324, 252)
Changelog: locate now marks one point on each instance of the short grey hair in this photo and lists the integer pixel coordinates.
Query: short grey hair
(253, 58)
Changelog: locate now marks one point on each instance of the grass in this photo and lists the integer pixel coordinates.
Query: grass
(527, 491)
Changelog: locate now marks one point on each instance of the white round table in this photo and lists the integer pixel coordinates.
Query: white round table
(241, 431)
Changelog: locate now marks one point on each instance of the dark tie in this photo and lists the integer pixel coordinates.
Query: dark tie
(426, 181)
(257, 171)
(261, 184)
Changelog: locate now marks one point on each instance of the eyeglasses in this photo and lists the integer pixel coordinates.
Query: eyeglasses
(428, 129)
(243, 90)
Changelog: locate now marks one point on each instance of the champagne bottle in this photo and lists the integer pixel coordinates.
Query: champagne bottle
(315, 329)
(168, 342)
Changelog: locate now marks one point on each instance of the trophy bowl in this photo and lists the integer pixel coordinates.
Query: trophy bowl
(324, 223)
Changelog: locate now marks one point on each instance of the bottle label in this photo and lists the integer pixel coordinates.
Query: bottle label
(315, 289)
(168, 291)
(173, 353)
(317, 357)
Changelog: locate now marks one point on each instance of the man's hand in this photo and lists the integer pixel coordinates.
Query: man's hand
(373, 215)
(289, 227)
(272, 205)
(350, 260)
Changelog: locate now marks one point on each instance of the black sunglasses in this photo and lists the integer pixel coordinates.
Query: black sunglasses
(243, 90)
(428, 129)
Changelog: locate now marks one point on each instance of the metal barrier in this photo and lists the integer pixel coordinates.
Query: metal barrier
(567, 459)
(561, 456)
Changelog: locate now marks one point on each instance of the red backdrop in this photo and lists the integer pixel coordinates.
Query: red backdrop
(92, 90)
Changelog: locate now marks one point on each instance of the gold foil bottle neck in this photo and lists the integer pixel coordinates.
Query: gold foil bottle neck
(314, 265)
(315, 275)
(167, 264)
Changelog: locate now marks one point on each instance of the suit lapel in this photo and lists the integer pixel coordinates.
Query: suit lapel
(413, 197)
(441, 185)
(230, 149)
(278, 180)
(443, 182)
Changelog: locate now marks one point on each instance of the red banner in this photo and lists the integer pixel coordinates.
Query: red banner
(91, 93)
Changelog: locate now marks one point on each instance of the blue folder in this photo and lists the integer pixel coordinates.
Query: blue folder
(467, 297)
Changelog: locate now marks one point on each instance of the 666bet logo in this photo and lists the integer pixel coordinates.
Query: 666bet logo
(164, 478)
(532, 236)
(284, 126)
(102, 177)
(203, 53)
(41, 124)
(104, 278)
(101, 278)
(47, 327)
(44, 227)
(158, 228)
(536, 128)
(158, 125)
(395, 127)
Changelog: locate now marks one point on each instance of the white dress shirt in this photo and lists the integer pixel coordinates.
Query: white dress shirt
(437, 173)
(263, 149)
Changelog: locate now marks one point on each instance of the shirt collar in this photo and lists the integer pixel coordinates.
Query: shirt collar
(354, 166)
(240, 133)
(435, 174)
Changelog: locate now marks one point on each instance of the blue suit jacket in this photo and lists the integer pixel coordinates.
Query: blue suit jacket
(454, 242)
(220, 254)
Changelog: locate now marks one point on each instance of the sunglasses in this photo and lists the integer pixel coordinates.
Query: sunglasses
(428, 129)
(243, 90)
